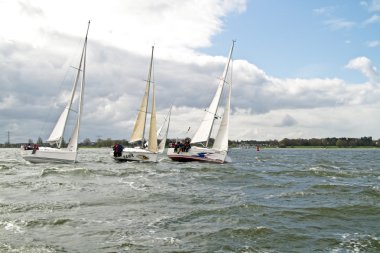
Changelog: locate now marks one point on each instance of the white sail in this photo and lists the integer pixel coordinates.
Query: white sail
(219, 152)
(161, 146)
(139, 129)
(221, 139)
(73, 143)
(56, 135)
(204, 131)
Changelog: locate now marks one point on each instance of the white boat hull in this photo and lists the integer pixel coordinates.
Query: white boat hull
(136, 155)
(46, 154)
(200, 155)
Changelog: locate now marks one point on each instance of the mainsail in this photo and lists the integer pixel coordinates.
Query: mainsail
(204, 131)
(56, 135)
(73, 143)
(152, 146)
(139, 129)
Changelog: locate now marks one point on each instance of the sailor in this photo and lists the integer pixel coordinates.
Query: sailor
(115, 148)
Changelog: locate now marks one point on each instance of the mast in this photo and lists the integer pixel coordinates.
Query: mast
(139, 128)
(57, 133)
(73, 144)
(152, 147)
(148, 83)
(224, 81)
(204, 131)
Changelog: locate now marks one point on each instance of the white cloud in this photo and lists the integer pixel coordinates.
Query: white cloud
(373, 43)
(374, 5)
(176, 26)
(364, 65)
(372, 20)
(338, 24)
(324, 11)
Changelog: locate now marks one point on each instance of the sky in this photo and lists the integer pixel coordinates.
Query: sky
(301, 69)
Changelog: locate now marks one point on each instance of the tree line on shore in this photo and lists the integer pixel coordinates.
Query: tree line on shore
(341, 142)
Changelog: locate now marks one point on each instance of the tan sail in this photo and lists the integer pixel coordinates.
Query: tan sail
(152, 147)
(138, 130)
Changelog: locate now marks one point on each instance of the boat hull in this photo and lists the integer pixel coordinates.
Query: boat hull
(136, 155)
(197, 154)
(46, 154)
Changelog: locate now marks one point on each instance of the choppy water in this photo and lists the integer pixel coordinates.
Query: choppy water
(275, 200)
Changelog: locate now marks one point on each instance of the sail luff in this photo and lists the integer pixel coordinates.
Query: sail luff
(73, 144)
(139, 128)
(204, 131)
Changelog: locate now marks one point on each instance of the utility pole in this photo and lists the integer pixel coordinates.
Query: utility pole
(8, 143)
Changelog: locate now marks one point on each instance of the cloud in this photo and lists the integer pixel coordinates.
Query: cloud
(339, 24)
(374, 6)
(29, 9)
(287, 121)
(324, 11)
(373, 43)
(364, 65)
(127, 25)
(372, 20)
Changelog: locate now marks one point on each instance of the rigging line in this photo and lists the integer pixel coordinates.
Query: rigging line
(215, 115)
(76, 68)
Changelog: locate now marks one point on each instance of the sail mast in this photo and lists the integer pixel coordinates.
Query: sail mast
(224, 81)
(204, 131)
(148, 83)
(221, 139)
(139, 128)
(73, 144)
(57, 133)
(152, 146)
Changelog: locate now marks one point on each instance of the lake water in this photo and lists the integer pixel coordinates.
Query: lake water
(274, 200)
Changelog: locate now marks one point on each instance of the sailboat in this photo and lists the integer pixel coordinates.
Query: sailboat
(218, 153)
(147, 151)
(59, 153)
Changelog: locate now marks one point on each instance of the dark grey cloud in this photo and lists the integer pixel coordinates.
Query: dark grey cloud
(287, 121)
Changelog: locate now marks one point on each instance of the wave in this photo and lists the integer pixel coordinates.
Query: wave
(66, 171)
(356, 242)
